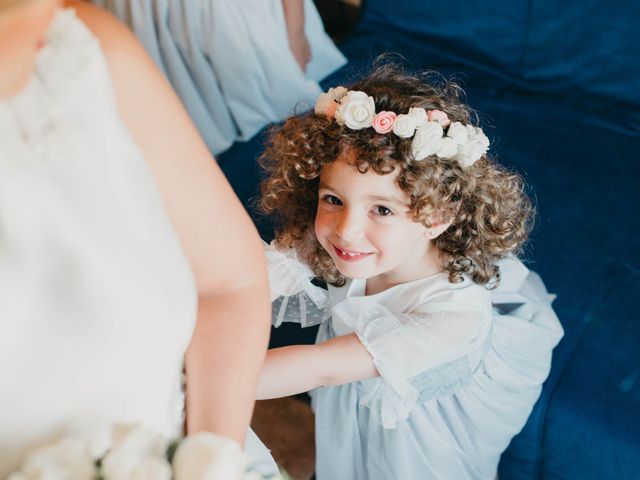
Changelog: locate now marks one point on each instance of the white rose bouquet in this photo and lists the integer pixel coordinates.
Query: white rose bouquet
(139, 454)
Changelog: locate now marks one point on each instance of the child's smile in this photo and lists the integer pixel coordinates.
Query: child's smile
(350, 255)
(363, 222)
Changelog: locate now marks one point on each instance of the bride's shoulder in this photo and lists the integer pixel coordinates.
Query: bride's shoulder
(117, 42)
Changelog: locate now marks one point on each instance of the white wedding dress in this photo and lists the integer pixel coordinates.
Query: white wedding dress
(97, 300)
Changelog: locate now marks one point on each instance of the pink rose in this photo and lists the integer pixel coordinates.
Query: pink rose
(438, 116)
(383, 122)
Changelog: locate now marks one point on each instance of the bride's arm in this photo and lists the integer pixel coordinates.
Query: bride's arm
(220, 241)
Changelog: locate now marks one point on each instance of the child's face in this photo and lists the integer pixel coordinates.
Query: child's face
(364, 223)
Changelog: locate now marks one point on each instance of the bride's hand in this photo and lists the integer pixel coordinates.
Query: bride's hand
(298, 43)
(300, 48)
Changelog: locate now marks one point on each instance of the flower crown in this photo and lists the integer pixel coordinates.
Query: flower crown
(432, 131)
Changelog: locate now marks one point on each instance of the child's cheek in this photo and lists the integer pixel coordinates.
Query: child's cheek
(320, 227)
(324, 230)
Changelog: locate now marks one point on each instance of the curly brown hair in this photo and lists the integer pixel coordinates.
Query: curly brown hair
(490, 212)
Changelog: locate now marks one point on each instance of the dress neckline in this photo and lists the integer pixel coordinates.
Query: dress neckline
(357, 286)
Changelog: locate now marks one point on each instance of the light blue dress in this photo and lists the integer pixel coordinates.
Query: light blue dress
(461, 368)
(229, 60)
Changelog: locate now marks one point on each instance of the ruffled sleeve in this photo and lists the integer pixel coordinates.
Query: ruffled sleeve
(295, 298)
(411, 345)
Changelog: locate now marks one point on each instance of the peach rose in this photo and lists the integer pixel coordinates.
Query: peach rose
(326, 102)
(439, 116)
(331, 110)
(383, 122)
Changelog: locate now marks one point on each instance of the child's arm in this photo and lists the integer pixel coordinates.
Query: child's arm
(300, 368)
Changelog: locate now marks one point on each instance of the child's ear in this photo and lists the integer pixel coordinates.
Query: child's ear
(438, 226)
(437, 229)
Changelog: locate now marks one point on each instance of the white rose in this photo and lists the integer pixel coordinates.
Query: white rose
(356, 110)
(66, 459)
(474, 149)
(136, 454)
(404, 126)
(427, 140)
(419, 115)
(325, 100)
(458, 132)
(337, 93)
(206, 456)
(448, 148)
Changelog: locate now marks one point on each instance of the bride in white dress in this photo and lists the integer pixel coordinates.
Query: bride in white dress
(124, 254)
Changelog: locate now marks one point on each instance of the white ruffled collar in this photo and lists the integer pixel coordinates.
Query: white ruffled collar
(356, 287)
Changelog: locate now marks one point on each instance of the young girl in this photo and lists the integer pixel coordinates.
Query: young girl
(434, 340)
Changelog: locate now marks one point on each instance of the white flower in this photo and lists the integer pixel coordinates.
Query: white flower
(476, 146)
(356, 110)
(337, 93)
(206, 456)
(458, 132)
(404, 126)
(448, 148)
(66, 459)
(136, 454)
(440, 117)
(325, 100)
(427, 140)
(419, 115)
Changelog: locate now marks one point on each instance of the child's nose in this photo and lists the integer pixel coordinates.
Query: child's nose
(349, 226)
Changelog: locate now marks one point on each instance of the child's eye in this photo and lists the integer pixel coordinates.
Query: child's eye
(331, 199)
(383, 211)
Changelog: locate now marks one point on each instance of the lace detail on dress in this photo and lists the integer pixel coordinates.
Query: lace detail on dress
(42, 109)
(295, 298)
(442, 380)
(298, 308)
(69, 48)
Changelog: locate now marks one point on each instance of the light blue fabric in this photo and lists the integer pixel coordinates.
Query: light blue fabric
(229, 60)
(460, 369)
(442, 380)
(468, 409)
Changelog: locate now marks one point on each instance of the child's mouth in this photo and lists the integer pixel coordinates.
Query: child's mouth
(348, 255)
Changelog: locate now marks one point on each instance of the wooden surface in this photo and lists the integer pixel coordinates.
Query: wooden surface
(286, 426)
